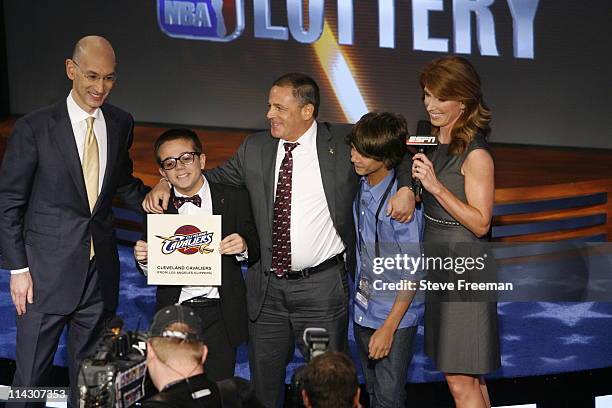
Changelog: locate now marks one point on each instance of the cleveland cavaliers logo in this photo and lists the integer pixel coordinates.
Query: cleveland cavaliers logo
(188, 240)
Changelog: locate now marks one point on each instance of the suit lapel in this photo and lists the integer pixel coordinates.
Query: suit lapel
(218, 200)
(62, 133)
(268, 163)
(326, 152)
(171, 208)
(112, 148)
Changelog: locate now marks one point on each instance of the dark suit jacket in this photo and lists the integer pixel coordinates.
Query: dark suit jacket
(233, 205)
(45, 218)
(253, 166)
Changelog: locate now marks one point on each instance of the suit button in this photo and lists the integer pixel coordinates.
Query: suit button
(270, 249)
(86, 243)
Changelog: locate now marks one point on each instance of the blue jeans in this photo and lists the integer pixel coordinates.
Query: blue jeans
(386, 378)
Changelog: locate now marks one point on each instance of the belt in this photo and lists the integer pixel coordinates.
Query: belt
(304, 273)
(441, 222)
(201, 301)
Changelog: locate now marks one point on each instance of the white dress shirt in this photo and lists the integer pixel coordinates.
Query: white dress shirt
(314, 238)
(78, 121)
(188, 208)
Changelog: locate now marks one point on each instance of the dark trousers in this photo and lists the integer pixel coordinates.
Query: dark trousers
(221, 359)
(290, 306)
(386, 378)
(38, 336)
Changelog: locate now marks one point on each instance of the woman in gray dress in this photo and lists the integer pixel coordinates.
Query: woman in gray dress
(458, 192)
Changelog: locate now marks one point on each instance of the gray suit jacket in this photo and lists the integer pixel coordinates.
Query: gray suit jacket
(253, 167)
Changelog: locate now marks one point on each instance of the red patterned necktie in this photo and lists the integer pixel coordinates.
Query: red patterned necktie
(179, 201)
(281, 226)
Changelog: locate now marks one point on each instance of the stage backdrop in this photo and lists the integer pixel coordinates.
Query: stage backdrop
(545, 64)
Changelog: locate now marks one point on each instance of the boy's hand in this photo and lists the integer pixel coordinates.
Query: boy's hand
(140, 251)
(380, 343)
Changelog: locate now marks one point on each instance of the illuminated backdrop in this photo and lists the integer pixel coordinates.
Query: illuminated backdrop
(545, 64)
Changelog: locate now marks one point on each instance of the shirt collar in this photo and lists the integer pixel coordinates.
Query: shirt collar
(309, 139)
(76, 113)
(378, 190)
(200, 191)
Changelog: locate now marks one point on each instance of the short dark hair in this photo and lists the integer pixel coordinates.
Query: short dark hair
(380, 136)
(305, 89)
(330, 380)
(176, 134)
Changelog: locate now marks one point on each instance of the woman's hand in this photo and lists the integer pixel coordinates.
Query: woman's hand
(423, 170)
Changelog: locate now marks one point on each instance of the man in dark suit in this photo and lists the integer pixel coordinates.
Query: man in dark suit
(222, 309)
(62, 168)
(301, 184)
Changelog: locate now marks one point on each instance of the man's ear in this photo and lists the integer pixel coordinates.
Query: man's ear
(305, 399)
(151, 352)
(307, 111)
(70, 69)
(204, 353)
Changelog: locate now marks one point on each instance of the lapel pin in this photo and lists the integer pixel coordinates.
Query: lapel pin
(331, 150)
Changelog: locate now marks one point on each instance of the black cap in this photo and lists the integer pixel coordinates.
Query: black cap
(176, 314)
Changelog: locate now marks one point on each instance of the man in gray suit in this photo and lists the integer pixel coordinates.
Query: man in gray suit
(301, 185)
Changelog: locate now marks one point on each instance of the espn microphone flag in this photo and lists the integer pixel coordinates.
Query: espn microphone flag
(421, 140)
(423, 137)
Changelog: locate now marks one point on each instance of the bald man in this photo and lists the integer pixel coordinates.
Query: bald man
(62, 168)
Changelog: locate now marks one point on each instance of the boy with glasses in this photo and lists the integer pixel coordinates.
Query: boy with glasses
(222, 309)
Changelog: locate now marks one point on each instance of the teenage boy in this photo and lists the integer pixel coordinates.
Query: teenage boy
(385, 321)
(222, 309)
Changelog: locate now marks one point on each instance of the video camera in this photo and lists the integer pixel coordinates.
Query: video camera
(113, 377)
(316, 342)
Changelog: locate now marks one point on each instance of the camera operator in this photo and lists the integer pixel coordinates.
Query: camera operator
(175, 359)
(330, 381)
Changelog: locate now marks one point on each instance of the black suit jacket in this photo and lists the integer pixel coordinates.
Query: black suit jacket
(253, 166)
(45, 220)
(233, 206)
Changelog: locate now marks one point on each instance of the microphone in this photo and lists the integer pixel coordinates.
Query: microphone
(421, 140)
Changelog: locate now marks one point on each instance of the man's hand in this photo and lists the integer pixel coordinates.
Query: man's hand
(22, 289)
(160, 192)
(140, 251)
(401, 205)
(380, 342)
(233, 244)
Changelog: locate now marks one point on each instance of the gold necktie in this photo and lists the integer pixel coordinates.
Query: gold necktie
(91, 168)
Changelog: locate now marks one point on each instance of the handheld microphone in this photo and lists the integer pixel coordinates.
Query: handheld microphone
(421, 140)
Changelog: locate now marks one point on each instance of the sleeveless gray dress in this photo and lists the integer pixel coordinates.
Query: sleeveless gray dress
(460, 337)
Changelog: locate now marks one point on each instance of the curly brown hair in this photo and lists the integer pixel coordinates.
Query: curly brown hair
(455, 79)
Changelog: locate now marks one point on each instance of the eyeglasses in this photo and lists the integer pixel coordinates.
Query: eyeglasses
(93, 77)
(185, 158)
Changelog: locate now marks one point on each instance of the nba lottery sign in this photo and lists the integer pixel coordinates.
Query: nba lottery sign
(184, 249)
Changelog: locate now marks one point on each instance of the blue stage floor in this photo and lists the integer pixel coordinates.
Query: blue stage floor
(537, 338)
